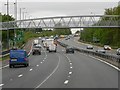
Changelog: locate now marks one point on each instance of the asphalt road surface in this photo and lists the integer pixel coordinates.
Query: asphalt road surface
(74, 42)
(61, 70)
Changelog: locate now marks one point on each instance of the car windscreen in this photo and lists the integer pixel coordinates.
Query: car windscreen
(17, 54)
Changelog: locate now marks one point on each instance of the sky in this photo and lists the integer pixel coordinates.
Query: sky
(48, 8)
(45, 8)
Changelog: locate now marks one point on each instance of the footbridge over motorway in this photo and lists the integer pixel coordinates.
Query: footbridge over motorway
(81, 21)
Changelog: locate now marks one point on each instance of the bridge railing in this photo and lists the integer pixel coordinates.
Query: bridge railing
(80, 21)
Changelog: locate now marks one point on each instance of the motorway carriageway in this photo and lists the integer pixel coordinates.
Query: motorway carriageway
(61, 70)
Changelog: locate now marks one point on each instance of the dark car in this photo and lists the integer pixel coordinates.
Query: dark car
(18, 57)
(101, 51)
(69, 49)
(36, 49)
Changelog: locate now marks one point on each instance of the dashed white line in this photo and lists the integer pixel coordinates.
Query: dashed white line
(1, 85)
(71, 67)
(66, 82)
(20, 75)
(31, 69)
(70, 63)
(41, 62)
(37, 65)
(11, 79)
(69, 76)
(70, 72)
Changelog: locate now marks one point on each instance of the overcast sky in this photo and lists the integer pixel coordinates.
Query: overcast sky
(45, 8)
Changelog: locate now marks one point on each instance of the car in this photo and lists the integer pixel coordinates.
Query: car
(67, 38)
(69, 49)
(118, 51)
(39, 38)
(101, 51)
(36, 49)
(18, 57)
(89, 47)
(107, 47)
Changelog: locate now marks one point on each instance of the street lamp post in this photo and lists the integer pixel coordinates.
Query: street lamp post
(7, 4)
(15, 14)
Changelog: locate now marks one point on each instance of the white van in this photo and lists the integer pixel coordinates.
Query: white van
(52, 48)
(35, 42)
(49, 42)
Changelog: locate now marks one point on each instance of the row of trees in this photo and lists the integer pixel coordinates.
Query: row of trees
(103, 35)
(5, 18)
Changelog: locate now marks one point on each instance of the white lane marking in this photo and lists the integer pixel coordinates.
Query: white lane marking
(50, 74)
(68, 59)
(44, 51)
(37, 65)
(30, 49)
(66, 82)
(41, 62)
(11, 79)
(70, 73)
(69, 76)
(71, 67)
(20, 75)
(31, 69)
(4, 66)
(70, 63)
(1, 85)
(106, 63)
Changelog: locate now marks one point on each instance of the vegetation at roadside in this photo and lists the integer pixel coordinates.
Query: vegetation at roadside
(103, 36)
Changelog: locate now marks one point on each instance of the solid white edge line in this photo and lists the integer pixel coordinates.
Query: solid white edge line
(4, 66)
(50, 74)
(106, 63)
(30, 49)
(1, 85)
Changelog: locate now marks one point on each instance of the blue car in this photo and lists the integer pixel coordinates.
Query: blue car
(18, 57)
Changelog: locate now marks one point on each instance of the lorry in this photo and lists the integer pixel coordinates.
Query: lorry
(35, 42)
